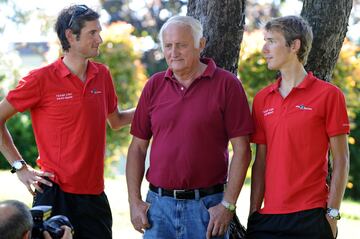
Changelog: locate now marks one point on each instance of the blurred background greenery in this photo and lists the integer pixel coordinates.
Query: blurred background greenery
(130, 50)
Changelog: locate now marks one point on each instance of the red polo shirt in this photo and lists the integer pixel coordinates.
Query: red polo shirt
(296, 131)
(69, 122)
(191, 127)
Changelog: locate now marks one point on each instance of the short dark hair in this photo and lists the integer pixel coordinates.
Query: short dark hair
(18, 223)
(294, 27)
(74, 18)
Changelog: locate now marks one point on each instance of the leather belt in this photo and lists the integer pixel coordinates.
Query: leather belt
(187, 193)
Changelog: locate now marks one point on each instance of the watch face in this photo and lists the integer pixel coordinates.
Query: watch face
(334, 212)
(232, 207)
(17, 165)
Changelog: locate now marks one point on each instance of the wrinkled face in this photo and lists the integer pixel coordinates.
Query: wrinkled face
(179, 49)
(89, 40)
(275, 51)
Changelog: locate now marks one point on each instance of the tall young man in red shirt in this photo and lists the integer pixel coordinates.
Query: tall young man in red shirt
(70, 101)
(191, 112)
(297, 120)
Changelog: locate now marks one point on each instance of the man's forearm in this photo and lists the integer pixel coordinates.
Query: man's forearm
(135, 168)
(258, 179)
(340, 153)
(238, 168)
(119, 119)
(7, 147)
(338, 182)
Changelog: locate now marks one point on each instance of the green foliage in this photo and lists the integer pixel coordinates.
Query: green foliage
(254, 74)
(353, 186)
(19, 125)
(252, 69)
(119, 54)
(347, 78)
(21, 130)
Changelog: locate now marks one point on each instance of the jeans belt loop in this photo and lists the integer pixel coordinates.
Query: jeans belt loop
(160, 192)
(197, 194)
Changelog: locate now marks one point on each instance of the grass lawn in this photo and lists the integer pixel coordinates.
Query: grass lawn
(12, 188)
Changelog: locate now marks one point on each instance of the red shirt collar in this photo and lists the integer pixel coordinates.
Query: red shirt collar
(309, 79)
(92, 69)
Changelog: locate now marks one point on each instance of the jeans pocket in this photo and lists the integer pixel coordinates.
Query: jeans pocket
(211, 200)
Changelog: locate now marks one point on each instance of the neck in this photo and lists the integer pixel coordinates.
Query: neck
(76, 65)
(186, 78)
(291, 78)
(294, 76)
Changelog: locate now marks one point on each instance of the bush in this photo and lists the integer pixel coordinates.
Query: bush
(118, 51)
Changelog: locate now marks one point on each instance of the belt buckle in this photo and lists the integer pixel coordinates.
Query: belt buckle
(175, 192)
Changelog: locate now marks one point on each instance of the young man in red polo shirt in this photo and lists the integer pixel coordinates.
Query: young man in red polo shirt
(70, 101)
(297, 120)
(191, 112)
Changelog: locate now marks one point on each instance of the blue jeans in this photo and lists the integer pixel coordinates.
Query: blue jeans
(179, 219)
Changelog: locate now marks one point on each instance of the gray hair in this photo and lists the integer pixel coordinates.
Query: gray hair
(17, 223)
(194, 24)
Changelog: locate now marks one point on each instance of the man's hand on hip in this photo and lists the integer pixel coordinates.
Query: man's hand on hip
(33, 178)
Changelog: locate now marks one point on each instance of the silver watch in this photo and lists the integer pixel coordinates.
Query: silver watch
(17, 165)
(333, 213)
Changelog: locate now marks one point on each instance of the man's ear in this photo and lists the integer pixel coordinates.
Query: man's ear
(202, 43)
(295, 45)
(69, 36)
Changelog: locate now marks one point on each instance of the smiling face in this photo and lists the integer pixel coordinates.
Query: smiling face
(179, 48)
(277, 54)
(89, 40)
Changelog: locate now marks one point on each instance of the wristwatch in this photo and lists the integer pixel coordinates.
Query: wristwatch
(17, 165)
(229, 206)
(333, 213)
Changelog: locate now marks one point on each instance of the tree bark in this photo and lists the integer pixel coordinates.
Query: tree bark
(223, 22)
(329, 20)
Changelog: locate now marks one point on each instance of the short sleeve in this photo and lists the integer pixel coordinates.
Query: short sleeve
(258, 137)
(237, 113)
(26, 95)
(336, 118)
(141, 124)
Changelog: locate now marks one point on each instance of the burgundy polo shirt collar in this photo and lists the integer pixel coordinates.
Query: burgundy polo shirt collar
(92, 69)
(208, 73)
(309, 79)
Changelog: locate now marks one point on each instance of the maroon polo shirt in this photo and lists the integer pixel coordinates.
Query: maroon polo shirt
(190, 128)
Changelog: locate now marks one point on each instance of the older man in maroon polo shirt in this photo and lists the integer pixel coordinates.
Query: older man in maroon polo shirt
(191, 112)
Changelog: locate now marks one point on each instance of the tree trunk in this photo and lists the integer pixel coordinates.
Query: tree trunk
(329, 21)
(223, 22)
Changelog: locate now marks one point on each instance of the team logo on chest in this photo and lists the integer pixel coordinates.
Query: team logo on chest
(268, 111)
(64, 96)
